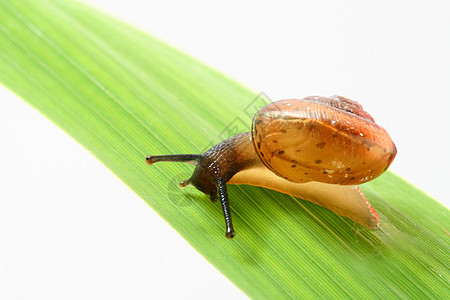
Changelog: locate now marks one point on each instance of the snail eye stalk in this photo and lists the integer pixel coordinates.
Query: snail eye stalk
(223, 194)
(188, 158)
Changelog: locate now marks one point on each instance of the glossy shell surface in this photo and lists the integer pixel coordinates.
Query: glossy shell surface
(330, 140)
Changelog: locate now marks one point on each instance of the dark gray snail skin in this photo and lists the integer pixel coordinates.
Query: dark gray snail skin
(216, 167)
(314, 148)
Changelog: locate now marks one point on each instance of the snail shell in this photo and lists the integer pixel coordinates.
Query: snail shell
(331, 140)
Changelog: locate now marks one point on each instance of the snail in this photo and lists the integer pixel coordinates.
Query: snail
(316, 148)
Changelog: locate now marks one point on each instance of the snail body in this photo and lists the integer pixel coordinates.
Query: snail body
(314, 148)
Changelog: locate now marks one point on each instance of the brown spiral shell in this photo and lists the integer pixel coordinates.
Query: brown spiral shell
(329, 140)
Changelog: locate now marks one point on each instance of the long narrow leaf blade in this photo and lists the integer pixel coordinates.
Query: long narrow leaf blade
(122, 95)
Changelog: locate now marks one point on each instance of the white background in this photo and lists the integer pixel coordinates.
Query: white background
(70, 229)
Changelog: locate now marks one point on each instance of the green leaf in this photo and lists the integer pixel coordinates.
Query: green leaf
(122, 95)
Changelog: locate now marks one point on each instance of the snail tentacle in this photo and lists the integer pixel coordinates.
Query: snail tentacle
(213, 196)
(188, 158)
(221, 184)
